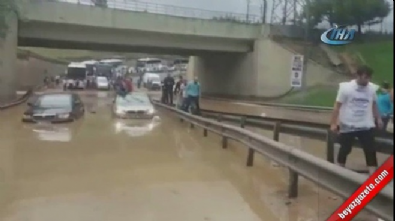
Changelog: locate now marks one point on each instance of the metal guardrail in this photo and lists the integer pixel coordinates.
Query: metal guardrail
(139, 6)
(287, 106)
(300, 128)
(339, 181)
(259, 121)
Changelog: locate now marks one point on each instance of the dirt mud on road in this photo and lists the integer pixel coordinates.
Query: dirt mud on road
(100, 169)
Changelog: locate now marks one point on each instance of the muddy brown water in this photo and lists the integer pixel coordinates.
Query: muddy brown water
(99, 168)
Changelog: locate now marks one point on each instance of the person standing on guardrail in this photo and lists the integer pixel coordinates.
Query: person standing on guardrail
(384, 104)
(193, 95)
(354, 115)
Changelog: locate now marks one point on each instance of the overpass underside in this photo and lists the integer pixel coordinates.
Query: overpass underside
(51, 35)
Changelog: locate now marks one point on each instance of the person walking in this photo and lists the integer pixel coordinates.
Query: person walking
(355, 115)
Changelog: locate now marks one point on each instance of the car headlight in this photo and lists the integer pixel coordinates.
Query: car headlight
(150, 111)
(119, 111)
(63, 116)
(26, 116)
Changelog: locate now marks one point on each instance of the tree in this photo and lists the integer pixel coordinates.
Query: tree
(6, 7)
(348, 12)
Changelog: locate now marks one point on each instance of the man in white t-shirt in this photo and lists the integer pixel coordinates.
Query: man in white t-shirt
(355, 115)
(181, 94)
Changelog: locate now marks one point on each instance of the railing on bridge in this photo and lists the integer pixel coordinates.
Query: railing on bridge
(138, 6)
(339, 181)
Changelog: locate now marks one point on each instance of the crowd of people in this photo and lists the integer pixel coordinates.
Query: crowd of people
(123, 86)
(51, 81)
(361, 109)
(187, 94)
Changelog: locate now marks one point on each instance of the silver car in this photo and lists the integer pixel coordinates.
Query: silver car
(102, 83)
(136, 105)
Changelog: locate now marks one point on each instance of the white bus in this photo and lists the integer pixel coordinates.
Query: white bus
(149, 65)
(76, 74)
(113, 62)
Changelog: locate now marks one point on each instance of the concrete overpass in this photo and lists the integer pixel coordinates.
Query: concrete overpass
(229, 58)
(65, 25)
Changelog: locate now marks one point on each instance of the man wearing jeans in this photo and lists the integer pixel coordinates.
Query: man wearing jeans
(356, 112)
(384, 104)
(193, 94)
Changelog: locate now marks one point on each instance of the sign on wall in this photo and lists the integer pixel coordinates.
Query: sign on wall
(297, 70)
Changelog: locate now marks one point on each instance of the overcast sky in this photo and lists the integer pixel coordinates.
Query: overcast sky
(232, 6)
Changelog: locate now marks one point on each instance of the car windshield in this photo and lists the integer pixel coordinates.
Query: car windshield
(54, 101)
(133, 99)
(102, 80)
(155, 79)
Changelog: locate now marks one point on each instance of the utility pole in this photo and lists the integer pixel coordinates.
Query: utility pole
(306, 53)
(288, 9)
(264, 11)
(248, 10)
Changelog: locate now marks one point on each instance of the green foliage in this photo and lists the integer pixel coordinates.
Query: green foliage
(101, 3)
(347, 12)
(378, 55)
(6, 7)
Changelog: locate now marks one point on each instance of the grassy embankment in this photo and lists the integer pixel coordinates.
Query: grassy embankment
(378, 55)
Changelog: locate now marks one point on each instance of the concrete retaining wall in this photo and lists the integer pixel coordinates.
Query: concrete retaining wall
(8, 48)
(30, 71)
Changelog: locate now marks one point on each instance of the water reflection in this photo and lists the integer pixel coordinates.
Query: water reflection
(136, 128)
(50, 132)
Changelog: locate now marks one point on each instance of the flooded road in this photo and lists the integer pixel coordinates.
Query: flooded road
(100, 169)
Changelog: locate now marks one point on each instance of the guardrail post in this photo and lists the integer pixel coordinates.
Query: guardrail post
(330, 147)
(292, 175)
(293, 184)
(205, 131)
(224, 140)
(219, 118)
(276, 131)
(191, 125)
(181, 119)
(250, 157)
(243, 121)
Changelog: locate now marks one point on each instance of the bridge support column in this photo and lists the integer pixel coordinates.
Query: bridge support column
(8, 56)
(262, 73)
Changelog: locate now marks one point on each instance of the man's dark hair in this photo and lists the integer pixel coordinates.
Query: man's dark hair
(364, 70)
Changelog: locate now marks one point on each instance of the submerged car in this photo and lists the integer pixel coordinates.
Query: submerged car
(54, 108)
(136, 128)
(136, 105)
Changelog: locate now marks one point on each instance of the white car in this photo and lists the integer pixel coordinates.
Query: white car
(102, 83)
(136, 105)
